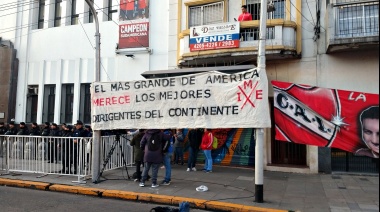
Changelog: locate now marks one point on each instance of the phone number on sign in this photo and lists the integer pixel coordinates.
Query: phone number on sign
(215, 45)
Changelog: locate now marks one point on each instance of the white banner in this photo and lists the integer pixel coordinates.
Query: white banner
(205, 100)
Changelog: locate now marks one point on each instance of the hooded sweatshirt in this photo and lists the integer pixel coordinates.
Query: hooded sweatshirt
(153, 156)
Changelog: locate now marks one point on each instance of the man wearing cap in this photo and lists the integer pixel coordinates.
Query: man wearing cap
(23, 129)
(35, 130)
(3, 130)
(79, 132)
(12, 130)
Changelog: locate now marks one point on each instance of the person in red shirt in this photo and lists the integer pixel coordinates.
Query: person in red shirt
(142, 8)
(245, 16)
(206, 146)
(130, 7)
(123, 10)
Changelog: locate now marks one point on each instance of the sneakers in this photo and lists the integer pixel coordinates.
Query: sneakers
(194, 169)
(142, 184)
(155, 185)
(166, 183)
(188, 169)
(208, 171)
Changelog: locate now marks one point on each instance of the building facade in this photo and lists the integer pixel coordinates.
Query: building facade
(331, 44)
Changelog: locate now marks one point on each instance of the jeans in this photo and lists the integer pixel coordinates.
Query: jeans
(155, 167)
(208, 160)
(168, 168)
(193, 153)
(178, 155)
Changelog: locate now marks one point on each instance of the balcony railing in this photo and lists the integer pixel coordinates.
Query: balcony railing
(356, 20)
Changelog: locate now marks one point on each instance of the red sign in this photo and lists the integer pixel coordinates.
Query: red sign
(346, 120)
(215, 45)
(134, 35)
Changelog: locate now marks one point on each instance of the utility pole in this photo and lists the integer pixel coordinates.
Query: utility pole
(259, 150)
(95, 169)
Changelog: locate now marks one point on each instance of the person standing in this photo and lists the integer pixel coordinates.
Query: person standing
(53, 143)
(46, 129)
(142, 6)
(67, 145)
(79, 132)
(130, 8)
(178, 145)
(195, 139)
(23, 129)
(152, 144)
(245, 15)
(35, 130)
(12, 130)
(139, 153)
(206, 146)
(167, 158)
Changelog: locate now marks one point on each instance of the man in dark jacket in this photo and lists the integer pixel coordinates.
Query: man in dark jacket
(46, 129)
(195, 138)
(12, 130)
(35, 130)
(23, 129)
(79, 132)
(152, 158)
(139, 153)
(67, 147)
(53, 143)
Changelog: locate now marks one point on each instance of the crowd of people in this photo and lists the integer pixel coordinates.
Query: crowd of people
(65, 150)
(154, 147)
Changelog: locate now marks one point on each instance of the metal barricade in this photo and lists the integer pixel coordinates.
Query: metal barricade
(116, 161)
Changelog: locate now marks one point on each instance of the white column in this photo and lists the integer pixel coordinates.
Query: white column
(77, 83)
(58, 93)
(41, 86)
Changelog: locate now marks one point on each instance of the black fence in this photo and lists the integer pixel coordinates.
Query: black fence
(343, 161)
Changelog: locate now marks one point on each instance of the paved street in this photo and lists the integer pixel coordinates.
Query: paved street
(287, 191)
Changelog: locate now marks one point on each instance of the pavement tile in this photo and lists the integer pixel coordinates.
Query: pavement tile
(369, 207)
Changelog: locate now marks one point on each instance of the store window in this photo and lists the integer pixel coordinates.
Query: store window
(74, 15)
(206, 14)
(112, 12)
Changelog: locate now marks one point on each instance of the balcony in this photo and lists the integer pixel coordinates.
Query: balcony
(281, 43)
(352, 25)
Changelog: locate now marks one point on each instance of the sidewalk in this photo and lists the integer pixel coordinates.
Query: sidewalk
(235, 186)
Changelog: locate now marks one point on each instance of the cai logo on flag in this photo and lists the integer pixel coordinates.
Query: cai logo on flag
(325, 117)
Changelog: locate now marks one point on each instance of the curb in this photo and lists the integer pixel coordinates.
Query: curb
(135, 196)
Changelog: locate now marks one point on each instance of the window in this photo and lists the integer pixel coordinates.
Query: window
(206, 14)
(357, 20)
(74, 15)
(254, 7)
(41, 14)
(57, 13)
(49, 103)
(67, 103)
(31, 104)
(85, 103)
(111, 12)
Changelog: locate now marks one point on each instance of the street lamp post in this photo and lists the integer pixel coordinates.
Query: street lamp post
(95, 169)
(259, 150)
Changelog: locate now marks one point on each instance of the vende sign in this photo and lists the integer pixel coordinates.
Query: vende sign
(217, 36)
(205, 100)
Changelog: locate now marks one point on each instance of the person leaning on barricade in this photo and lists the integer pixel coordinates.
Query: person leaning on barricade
(12, 130)
(53, 143)
(79, 132)
(67, 146)
(46, 129)
(23, 129)
(35, 130)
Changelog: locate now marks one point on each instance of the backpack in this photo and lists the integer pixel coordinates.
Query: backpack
(215, 143)
(154, 142)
